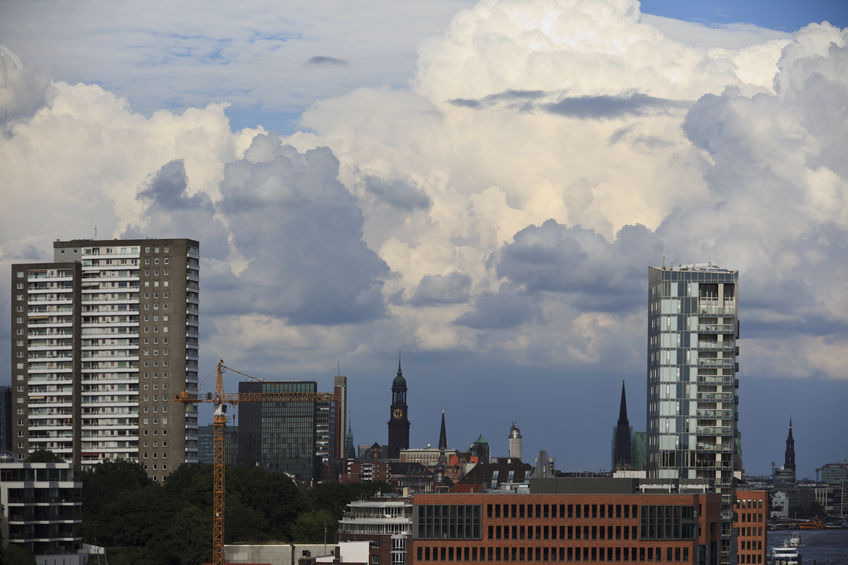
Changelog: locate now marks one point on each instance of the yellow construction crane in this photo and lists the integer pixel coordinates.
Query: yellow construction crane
(219, 423)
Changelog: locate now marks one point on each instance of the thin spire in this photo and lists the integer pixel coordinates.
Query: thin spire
(622, 411)
(400, 373)
(443, 436)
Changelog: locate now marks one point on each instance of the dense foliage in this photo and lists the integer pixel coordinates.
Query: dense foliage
(143, 522)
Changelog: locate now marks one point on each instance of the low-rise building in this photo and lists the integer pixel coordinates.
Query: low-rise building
(385, 523)
(612, 527)
(41, 507)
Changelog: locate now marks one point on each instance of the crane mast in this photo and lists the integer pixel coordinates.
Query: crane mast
(220, 400)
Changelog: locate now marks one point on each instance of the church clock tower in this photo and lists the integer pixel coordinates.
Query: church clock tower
(398, 416)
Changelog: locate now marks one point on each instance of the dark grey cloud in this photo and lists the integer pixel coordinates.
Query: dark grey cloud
(301, 232)
(581, 107)
(172, 212)
(606, 276)
(437, 290)
(507, 308)
(322, 61)
(509, 97)
(608, 106)
(397, 193)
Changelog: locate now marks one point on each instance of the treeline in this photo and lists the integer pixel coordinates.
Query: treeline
(143, 522)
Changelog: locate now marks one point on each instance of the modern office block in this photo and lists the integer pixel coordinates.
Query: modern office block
(280, 436)
(693, 327)
(101, 339)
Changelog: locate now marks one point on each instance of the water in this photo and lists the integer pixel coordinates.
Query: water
(819, 547)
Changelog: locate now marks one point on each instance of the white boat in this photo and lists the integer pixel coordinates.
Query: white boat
(786, 554)
(793, 541)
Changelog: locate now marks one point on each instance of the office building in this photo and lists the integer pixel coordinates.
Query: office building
(206, 447)
(41, 508)
(564, 527)
(102, 337)
(750, 522)
(296, 436)
(514, 442)
(339, 447)
(692, 413)
(398, 416)
(621, 444)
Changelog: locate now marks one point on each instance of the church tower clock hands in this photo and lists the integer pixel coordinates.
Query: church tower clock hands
(399, 416)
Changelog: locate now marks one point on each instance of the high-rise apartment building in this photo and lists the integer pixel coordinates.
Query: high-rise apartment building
(693, 327)
(101, 339)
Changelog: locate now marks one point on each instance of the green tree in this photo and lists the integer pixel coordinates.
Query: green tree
(186, 539)
(16, 555)
(44, 456)
(314, 526)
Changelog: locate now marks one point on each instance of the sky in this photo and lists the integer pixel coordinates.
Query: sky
(480, 185)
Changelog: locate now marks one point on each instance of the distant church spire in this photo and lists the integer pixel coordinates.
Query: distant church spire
(399, 373)
(622, 433)
(443, 436)
(789, 460)
(622, 410)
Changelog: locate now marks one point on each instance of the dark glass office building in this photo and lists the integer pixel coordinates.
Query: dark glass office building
(279, 436)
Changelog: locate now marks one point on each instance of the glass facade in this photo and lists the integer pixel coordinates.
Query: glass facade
(279, 436)
(693, 328)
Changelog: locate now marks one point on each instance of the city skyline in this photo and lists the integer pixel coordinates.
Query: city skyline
(482, 185)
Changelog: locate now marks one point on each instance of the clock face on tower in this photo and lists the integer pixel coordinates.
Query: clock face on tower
(397, 413)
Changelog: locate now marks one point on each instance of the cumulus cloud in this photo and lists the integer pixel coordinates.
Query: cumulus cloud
(300, 232)
(22, 90)
(435, 290)
(602, 275)
(506, 309)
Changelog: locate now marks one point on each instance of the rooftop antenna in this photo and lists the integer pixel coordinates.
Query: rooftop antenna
(339, 370)
(95, 232)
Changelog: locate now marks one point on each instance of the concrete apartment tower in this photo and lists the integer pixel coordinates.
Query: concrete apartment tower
(102, 337)
(693, 327)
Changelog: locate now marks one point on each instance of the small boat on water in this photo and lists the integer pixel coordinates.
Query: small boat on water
(786, 554)
(793, 541)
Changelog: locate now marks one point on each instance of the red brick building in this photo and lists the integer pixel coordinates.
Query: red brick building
(751, 511)
(565, 528)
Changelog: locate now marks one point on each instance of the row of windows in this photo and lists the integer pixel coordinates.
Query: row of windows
(520, 554)
(562, 532)
(751, 558)
(561, 511)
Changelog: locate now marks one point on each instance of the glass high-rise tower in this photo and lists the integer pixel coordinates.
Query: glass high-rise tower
(693, 327)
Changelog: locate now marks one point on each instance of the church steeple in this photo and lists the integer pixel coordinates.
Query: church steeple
(443, 436)
(622, 410)
(789, 459)
(621, 438)
(398, 416)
